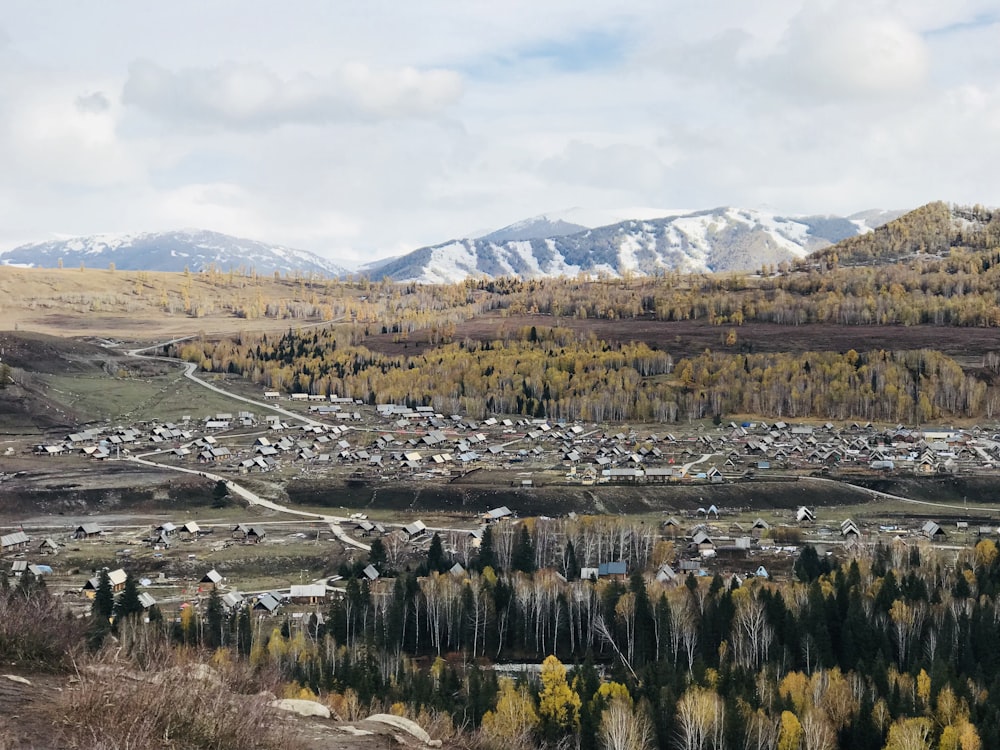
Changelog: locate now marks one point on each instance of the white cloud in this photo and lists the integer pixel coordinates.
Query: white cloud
(361, 130)
(832, 52)
(252, 96)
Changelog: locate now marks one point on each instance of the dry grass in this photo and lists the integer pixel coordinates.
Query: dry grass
(162, 697)
(137, 304)
(36, 631)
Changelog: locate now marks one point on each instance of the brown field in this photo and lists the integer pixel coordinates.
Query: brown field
(692, 337)
(137, 305)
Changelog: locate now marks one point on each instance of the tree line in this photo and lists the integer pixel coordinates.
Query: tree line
(554, 373)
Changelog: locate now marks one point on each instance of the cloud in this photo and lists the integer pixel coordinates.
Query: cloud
(841, 53)
(253, 97)
(94, 103)
(615, 166)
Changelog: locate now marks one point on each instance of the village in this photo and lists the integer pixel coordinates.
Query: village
(179, 565)
(392, 441)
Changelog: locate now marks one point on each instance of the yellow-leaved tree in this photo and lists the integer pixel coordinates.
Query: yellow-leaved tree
(790, 736)
(909, 734)
(511, 724)
(558, 703)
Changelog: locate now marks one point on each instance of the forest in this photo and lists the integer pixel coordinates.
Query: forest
(935, 268)
(890, 647)
(558, 374)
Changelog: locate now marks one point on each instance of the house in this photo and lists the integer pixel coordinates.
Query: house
(116, 577)
(211, 580)
(671, 526)
(932, 530)
(146, 600)
(14, 542)
(617, 570)
(457, 570)
(232, 600)
(666, 574)
(849, 530)
(248, 534)
(804, 515)
(18, 567)
(158, 539)
(87, 531)
(702, 541)
(492, 516)
(311, 593)
(266, 603)
(588, 574)
(415, 529)
(167, 529)
(191, 528)
(48, 547)
(371, 573)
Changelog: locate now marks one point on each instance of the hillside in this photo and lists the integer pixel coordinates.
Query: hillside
(194, 250)
(723, 239)
(931, 230)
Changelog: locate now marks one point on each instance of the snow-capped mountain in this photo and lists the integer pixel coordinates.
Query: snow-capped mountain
(193, 249)
(535, 228)
(723, 239)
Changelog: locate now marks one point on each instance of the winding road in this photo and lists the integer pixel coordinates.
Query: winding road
(252, 498)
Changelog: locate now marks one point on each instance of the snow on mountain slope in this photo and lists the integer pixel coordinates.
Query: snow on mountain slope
(190, 249)
(723, 239)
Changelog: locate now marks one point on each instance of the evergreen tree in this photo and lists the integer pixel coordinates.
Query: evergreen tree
(377, 555)
(523, 555)
(128, 604)
(572, 565)
(103, 606)
(214, 620)
(486, 557)
(220, 494)
(435, 555)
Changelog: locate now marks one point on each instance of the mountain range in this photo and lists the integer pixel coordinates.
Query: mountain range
(722, 239)
(190, 249)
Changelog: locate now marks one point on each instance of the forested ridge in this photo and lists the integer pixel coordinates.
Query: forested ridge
(555, 373)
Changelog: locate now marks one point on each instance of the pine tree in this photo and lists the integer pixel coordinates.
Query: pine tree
(377, 555)
(523, 556)
(435, 555)
(214, 620)
(103, 606)
(486, 557)
(128, 604)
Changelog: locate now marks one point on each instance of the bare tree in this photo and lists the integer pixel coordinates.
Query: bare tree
(818, 732)
(624, 727)
(761, 731)
(752, 634)
(700, 720)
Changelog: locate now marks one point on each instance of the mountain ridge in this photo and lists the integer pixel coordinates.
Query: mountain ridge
(186, 249)
(712, 240)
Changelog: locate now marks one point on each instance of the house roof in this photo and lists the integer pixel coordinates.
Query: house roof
(268, 602)
(212, 576)
(9, 540)
(308, 591)
(617, 568)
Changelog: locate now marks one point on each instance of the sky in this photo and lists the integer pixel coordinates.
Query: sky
(362, 130)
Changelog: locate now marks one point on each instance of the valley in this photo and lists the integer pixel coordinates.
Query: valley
(339, 491)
